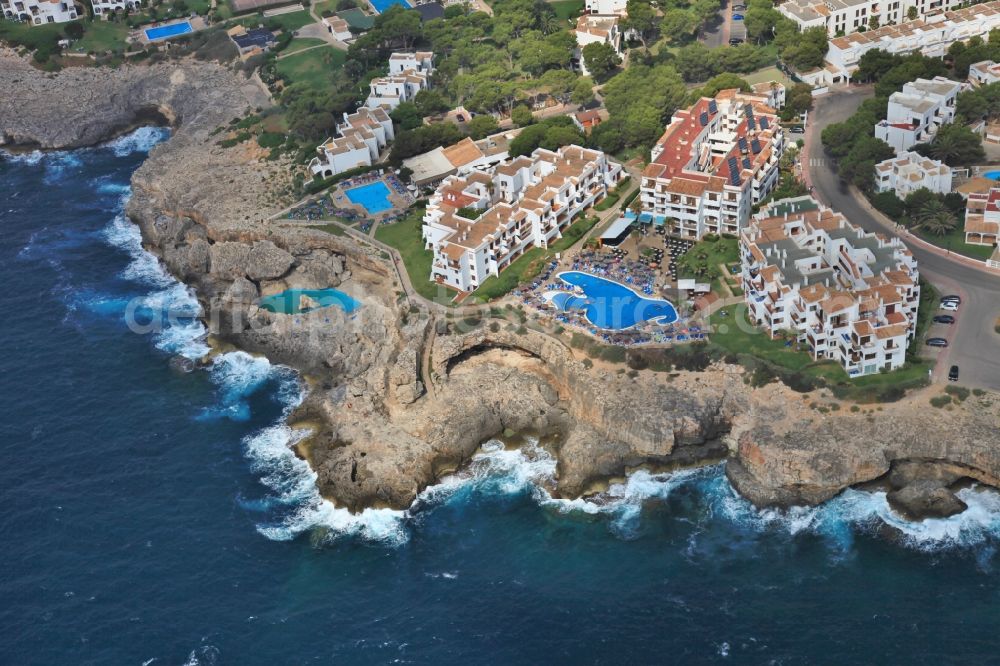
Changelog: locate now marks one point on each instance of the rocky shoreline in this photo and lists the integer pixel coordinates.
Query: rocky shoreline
(400, 395)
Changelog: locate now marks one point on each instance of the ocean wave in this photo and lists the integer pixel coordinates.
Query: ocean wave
(238, 376)
(141, 140)
(28, 159)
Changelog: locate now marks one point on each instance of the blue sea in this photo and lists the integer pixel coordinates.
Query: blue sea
(152, 516)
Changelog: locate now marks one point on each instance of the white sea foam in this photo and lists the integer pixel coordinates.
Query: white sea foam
(855, 511)
(141, 140)
(171, 304)
(30, 159)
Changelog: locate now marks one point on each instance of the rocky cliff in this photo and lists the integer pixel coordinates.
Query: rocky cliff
(399, 396)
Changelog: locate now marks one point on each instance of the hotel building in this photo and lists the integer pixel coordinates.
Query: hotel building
(909, 172)
(844, 17)
(409, 73)
(606, 7)
(523, 203)
(931, 36)
(39, 12)
(363, 135)
(851, 296)
(715, 160)
(917, 112)
(594, 29)
(984, 73)
(982, 218)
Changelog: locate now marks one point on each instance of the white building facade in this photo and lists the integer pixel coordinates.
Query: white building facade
(849, 295)
(908, 172)
(524, 203)
(931, 36)
(409, 73)
(594, 29)
(713, 163)
(982, 218)
(984, 73)
(606, 7)
(843, 17)
(39, 12)
(363, 135)
(916, 112)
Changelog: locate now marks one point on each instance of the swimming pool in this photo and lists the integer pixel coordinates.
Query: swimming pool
(374, 197)
(288, 301)
(382, 5)
(992, 175)
(610, 305)
(168, 31)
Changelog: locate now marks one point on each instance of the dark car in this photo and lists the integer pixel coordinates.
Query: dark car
(953, 374)
(739, 8)
(737, 17)
(937, 342)
(735, 41)
(797, 129)
(956, 299)
(944, 319)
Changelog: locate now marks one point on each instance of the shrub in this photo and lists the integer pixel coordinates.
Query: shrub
(613, 354)
(960, 393)
(940, 401)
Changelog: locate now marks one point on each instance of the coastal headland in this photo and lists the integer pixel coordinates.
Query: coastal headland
(400, 394)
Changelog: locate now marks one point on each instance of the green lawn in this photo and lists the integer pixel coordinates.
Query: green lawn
(101, 36)
(300, 44)
(735, 334)
(767, 74)
(567, 10)
(316, 68)
(524, 268)
(325, 6)
(405, 237)
(30, 36)
(703, 259)
(292, 21)
(955, 241)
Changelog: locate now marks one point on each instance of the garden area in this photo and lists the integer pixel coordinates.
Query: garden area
(316, 68)
(405, 237)
(713, 259)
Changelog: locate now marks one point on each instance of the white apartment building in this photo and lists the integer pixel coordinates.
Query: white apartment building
(39, 12)
(594, 29)
(982, 218)
(850, 295)
(931, 36)
(107, 7)
(984, 73)
(843, 17)
(363, 135)
(525, 202)
(715, 160)
(909, 171)
(461, 158)
(409, 73)
(917, 111)
(606, 7)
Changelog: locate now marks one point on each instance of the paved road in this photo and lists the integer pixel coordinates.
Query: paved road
(718, 34)
(974, 347)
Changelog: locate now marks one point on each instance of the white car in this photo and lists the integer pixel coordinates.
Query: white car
(950, 306)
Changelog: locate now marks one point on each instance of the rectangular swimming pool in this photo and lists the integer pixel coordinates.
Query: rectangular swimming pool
(168, 31)
(374, 197)
(382, 5)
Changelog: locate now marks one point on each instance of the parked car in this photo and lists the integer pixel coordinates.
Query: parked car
(950, 306)
(937, 342)
(735, 41)
(797, 129)
(957, 299)
(737, 17)
(953, 374)
(944, 319)
(739, 8)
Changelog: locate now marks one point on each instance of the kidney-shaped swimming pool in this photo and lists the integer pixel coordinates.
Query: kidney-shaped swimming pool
(610, 305)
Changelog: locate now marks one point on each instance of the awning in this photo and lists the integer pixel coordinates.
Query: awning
(617, 232)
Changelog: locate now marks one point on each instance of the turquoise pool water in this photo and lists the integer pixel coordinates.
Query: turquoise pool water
(373, 196)
(287, 302)
(610, 305)
(992, 175)
(382, 5)
(168, 31)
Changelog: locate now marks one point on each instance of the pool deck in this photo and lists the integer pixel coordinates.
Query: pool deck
(399, 202)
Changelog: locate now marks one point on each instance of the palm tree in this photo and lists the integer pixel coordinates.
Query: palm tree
(935, 218)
